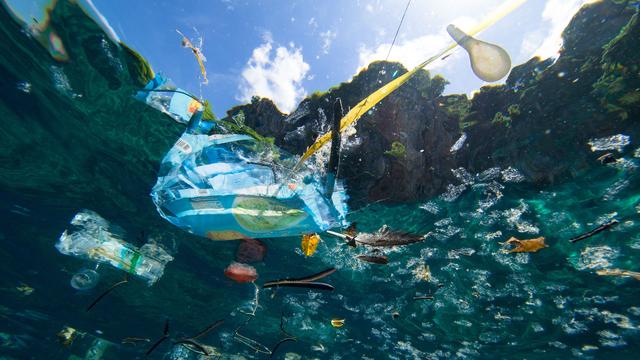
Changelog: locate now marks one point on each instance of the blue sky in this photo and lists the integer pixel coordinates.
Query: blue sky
(287, 49)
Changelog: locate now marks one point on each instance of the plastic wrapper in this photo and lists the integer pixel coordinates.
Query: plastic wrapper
(161, 94)
(232, 186)
(94, 238)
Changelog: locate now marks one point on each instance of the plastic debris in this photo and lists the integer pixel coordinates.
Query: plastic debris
(85, 279)
(309, 244)
(607, 158)
(530, 245)
(619, 272)
(94, 238)
(336, 323)
(231, 187)
(197, 51)
(241, 273)
(67, 335)
(25, 289)
(161, 94)
(459, 143)
(488, 61)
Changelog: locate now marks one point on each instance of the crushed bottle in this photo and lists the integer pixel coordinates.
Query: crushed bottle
(94, 238)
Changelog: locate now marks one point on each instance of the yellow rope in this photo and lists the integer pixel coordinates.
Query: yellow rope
(367, 103)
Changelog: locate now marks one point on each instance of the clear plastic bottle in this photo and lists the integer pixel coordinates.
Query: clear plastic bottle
(93, 238)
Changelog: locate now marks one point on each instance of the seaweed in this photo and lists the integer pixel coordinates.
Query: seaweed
(398, 150)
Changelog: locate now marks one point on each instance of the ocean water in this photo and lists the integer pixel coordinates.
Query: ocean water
(74, 138)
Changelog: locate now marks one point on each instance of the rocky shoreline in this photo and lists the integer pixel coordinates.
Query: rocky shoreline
(539, 122)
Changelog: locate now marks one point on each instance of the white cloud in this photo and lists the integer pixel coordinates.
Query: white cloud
(327, 38)
(546, 42)
(278, 78)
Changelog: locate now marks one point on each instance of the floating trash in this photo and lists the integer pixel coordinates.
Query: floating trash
(67, 335)
(488, 61)
(459, 143)
(85, 279)
(530, 245)
(25, 289)
(309, 244)
(619, 272)
(94, 238)
(241, 273)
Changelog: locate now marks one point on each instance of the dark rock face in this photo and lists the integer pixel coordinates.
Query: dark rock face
(411, 119)
(539, 121)
(557, 109)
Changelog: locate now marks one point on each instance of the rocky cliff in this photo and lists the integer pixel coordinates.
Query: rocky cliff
(539, 121)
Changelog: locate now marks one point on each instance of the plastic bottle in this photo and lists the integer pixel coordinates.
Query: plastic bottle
(93, 238)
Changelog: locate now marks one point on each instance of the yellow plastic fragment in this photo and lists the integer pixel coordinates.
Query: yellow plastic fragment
(309, 244)
(25, 289)
(67, 335)
(336, 323)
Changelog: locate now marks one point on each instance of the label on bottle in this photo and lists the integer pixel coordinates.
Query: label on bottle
(134, 262)
(183, 146)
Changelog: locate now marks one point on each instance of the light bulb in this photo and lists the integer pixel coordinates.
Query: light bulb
(489, 62)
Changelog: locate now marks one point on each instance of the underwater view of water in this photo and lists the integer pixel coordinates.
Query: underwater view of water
(74, 137)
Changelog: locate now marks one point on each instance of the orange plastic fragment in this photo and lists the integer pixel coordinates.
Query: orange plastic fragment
(530, 245)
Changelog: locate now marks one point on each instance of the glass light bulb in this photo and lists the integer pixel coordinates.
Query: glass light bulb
(488, 61)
